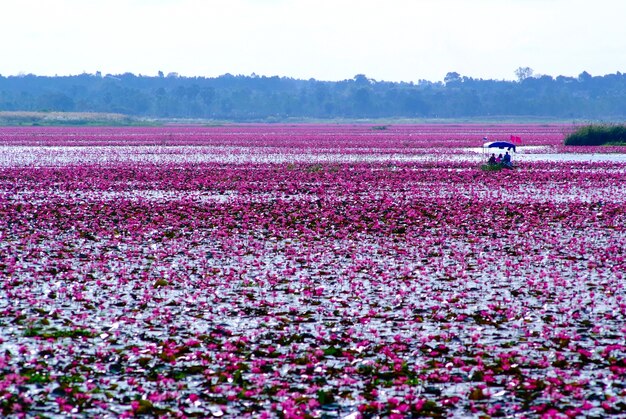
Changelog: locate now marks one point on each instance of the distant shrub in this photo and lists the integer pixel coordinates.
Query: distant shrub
(598, 135)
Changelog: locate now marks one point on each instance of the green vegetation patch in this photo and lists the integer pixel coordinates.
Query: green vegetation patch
(24, 118)
(52, 333)
(491, 167)
(598, 135)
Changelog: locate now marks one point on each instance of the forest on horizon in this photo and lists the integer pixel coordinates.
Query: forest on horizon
(274, 99)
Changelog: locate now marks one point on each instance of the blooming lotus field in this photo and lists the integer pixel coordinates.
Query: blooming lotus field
(309, 270)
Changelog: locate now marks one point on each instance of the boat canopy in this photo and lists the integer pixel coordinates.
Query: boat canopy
(501, 145)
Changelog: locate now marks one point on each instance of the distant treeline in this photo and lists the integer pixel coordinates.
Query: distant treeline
(260, 98)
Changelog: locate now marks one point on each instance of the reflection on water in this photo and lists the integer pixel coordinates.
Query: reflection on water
(547, 154)
(20, 156)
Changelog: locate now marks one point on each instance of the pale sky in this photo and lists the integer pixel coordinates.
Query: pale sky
(392, 40)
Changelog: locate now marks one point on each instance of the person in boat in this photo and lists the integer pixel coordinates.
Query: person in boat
(492, 159)
(506, 160)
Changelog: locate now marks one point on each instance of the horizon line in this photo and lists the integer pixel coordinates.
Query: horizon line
(174, 74)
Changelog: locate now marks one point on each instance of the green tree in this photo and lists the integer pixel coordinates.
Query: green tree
(522, 73)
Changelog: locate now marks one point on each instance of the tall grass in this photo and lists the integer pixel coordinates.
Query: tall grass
(598, 135)
(27, 118)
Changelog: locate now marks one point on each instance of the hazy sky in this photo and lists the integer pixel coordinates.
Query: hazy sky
(394, 40)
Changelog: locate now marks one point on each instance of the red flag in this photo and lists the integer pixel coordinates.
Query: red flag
(516, 140)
